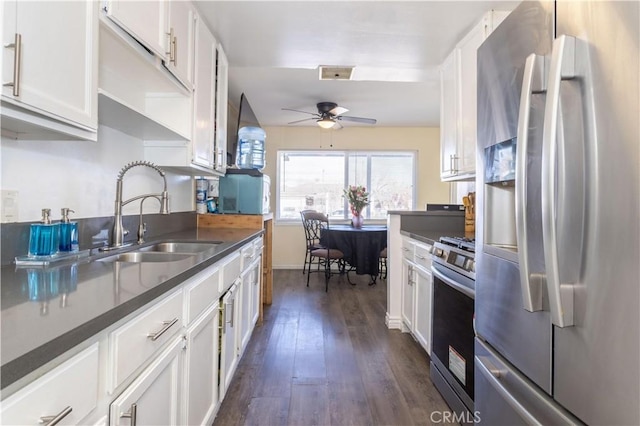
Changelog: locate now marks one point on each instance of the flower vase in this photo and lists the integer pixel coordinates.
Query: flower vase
(357, 221)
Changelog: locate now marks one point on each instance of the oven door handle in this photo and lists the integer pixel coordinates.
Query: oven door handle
(451, 283)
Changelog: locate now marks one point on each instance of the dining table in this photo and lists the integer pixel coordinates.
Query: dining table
(361, 246)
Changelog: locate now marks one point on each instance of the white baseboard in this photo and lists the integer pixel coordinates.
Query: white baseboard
(394, 323)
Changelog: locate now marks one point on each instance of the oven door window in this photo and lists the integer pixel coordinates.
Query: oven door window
(453, 332)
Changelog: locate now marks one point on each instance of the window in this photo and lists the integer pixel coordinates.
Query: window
(315, 180)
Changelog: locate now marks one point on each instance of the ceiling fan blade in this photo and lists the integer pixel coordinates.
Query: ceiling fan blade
(304, 119)
(338, 110)
(338, 126)
(297, 110)
(357, 119)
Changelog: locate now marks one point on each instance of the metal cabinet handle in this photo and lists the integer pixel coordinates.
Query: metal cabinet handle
(17, 60)
(174, 44)
(54, 420)
(167, 325)
(562, 68)
(531, 289)
(132, 414)
(230, 316)
(421, 257)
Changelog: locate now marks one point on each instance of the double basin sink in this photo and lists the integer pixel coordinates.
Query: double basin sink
(162, 252)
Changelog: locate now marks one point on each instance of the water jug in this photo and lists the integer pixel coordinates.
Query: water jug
(250, 152)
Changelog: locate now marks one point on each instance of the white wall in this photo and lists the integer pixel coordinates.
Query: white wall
(288, 240)
(82, 176)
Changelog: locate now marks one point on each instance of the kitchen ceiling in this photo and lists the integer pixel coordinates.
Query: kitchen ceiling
(274, 50)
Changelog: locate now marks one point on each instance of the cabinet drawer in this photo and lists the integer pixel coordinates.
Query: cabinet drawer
(133, 343)
(229, 271)
(246, 254)
(72, 384)
(258, 245)
(423, 255)
(407, 249)
(201, 292)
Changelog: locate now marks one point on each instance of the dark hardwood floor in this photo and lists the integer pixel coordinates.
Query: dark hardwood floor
(328, 359)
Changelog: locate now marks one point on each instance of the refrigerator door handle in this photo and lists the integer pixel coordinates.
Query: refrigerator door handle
(493, 374)
(532, 82)
(562, 68)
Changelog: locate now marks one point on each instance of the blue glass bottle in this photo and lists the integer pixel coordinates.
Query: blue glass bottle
(44, 239)
(68, 232)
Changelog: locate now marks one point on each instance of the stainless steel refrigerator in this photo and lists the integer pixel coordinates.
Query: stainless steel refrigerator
(558, 187)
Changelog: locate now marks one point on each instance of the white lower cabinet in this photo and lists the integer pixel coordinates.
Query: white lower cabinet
(229, 339)
(256, 291)
(423, 302)
(69, 393)
(153, 398)
(408, 297)
(245, 310)
(417, 288)
(201, 369)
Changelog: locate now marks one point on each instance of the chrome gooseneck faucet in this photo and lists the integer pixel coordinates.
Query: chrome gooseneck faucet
(118, 233)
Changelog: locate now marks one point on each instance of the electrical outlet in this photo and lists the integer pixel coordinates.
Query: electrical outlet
(9, 208)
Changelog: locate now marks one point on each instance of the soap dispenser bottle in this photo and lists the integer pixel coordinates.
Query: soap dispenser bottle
(44, 239)
(68, 232)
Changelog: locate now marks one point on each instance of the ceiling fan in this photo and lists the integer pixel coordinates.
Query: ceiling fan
(329, 114)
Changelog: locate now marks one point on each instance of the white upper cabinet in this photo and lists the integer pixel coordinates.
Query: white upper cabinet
(205, 153)
(204, 97)
(49, 69)
(146, 21)
(222, 94)
(179, 55)
(448, 114)
(458, 102)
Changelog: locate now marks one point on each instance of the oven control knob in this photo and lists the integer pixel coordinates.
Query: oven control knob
(438, 252)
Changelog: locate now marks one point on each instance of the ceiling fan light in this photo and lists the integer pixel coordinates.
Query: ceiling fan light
(326, 122)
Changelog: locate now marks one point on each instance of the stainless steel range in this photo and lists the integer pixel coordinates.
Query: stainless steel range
(452, 353)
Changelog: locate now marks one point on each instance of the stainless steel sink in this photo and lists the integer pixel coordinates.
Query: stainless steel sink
(146, 256)
(178, 247)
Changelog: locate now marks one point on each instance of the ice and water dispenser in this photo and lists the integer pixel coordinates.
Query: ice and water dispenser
(500, 196)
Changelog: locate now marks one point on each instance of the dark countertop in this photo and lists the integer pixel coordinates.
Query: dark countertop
(430, 237)
(47, 311)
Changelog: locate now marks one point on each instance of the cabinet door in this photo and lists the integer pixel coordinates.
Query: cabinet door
(204, 96)
(201, 368)
(422, 326)
(256, 300)
(229, 338)
(146, 21)
(57, 59)
(181, 38)
(222, 94)
(407, 294)
(467, 83)
(153, 398)
(245, 310)
(448, 115)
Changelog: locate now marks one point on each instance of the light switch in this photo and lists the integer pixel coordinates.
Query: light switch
(9, 206)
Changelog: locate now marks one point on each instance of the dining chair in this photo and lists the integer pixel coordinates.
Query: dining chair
(312, 242)
(382, 264)
(322, 257)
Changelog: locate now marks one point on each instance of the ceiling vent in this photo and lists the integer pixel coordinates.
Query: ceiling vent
(335, 72)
